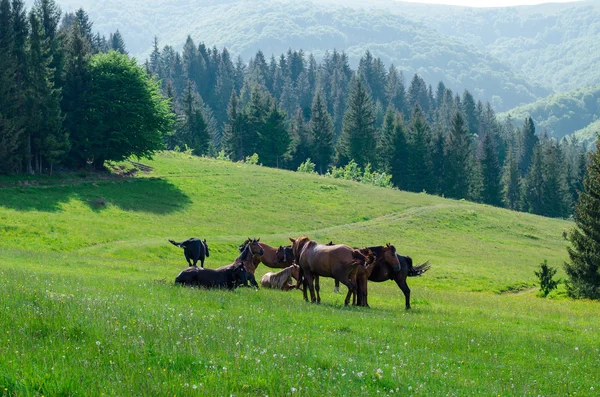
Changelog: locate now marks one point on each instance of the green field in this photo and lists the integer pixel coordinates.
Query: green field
(87, 305)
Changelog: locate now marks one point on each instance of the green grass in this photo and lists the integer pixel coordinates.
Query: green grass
(88, 306)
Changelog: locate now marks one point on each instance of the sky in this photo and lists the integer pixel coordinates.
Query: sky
(489, 3)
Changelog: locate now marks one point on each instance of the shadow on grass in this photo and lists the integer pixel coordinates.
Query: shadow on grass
(153, 195)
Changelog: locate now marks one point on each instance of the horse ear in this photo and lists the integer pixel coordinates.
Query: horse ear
(292, 240)
(258, 239)
(204, 241)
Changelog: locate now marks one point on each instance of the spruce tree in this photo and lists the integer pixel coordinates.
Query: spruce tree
(555, 190)
(533, 184)
(583, 269)
(491, 192)
(419, 171)
(358, 139)
(301, 142)
(116, 42)
(469, 111)
(393, 148)
(459, 159)
(395, 90)
(528, 140)
(233, 133)
(321, 133)
(274, 142)
(191, 126)
(511, 182)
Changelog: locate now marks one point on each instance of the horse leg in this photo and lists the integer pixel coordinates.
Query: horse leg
(202, 261)
(342, 276)
(404, 287)
(187, 258)
(318, 288)
(309, 278)
(336, 289)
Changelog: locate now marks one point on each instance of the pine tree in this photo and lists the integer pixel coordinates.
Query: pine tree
(419, 175)
(274, 142)
(417, 95)
(77, 84)
(301, 143)
(116, 42)
(528, 139)
(233, 137)
(393, 148)
(459, 159)
(395, 90)
(358, 139)
(155, 58)
(191, 125)
(438, 160)
(490, 171)
(469, 111)
(533, 184)
(555, 191)
(511, 182)
(583, 269)
(321, 133)
(256, 112)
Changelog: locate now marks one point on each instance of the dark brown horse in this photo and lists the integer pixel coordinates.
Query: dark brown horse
(208, 278)
(284, 255)
(267, 256)
(336, 261)
(246, 258)
(194, 249)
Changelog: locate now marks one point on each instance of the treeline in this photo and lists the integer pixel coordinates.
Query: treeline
(57, 94)
(290, 108)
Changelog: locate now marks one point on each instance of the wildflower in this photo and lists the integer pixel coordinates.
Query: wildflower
(293, 390)
(97, 343)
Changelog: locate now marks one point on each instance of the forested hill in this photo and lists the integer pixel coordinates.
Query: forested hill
(275, 26)
(554, 45)
(562, 114)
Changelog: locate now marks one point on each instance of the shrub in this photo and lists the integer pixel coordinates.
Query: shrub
(545, 274)
(252, 159)
(308, 167)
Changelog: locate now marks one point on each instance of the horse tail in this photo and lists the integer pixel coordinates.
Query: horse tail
(417, 271)
(175, 243)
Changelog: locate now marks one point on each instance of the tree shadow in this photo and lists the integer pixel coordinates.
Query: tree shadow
(153, 195)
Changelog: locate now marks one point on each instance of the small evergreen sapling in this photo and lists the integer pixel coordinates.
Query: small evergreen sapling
(545, 275)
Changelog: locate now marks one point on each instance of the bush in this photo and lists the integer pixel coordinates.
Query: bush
(545, 274)
(353, 172)
(308, 167)
(223, 156)
(252, 159)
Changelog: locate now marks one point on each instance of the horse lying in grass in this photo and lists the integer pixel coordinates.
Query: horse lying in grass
(208, 278)
(282, 280)
(337, 261)
(246, 258)
(194, 249)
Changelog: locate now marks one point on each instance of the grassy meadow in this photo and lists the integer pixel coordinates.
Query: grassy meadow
(88, 305)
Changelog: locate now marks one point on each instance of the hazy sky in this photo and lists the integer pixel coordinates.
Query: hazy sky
(489, 3)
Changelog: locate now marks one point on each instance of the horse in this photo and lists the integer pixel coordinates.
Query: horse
(383, 271)
(246, 258)
(337, 261)
(281, 280)
(194, 249)
(267, 256)
(284, 255)
(208, 278)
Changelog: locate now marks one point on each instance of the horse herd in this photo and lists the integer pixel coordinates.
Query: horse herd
(305, 261)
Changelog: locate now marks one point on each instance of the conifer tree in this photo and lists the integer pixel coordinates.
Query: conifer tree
(233, 134)
(459, 159)
(528, 139)
(301, 142)
(583, 269)
(438, 160)
(275, 140)
(419, 175)
(555, 191)
(511, 182)
(321, 133)
(417, 95)
(155, 58)
(393, 148)
(491, 192)
(533, 184)
(395, 90)
(117, 43)
(358, 139)
(191, 125)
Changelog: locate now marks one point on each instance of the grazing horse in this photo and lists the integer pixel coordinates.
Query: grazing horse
(267, 256)
(281, 280)
(337, 261)
(245, 258)
(194, 249)
(225, 278)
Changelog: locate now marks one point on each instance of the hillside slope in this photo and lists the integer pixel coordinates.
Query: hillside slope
(561, 114)
(89, 306)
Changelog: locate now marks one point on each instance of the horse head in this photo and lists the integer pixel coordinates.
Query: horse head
(296, 272)
(298, 244)
(390, 257)
(255, 246)
(283, 254)
(240, 275)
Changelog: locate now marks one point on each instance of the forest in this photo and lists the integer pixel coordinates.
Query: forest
(284, 109)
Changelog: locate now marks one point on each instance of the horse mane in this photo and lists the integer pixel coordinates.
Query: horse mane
(243, 245)
(246, 252)
(278, 279)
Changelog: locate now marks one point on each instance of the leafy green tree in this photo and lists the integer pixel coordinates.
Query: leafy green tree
(357, 141)
(490, 171)
(127, 115)
(322, 133)
(583, 269)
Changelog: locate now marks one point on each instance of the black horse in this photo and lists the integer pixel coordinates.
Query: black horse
(208, 278)
(245, 259)
(194, 249)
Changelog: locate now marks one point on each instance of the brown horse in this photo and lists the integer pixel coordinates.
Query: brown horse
(381, 256)
(268, 255)
(284, 255)
(245, 258)
(336, 261)
(281, 280)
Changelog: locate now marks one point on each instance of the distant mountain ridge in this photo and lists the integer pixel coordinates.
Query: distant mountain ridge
(275, 26)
